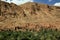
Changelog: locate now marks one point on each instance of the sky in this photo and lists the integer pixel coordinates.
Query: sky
(49, 2)
(18, 2)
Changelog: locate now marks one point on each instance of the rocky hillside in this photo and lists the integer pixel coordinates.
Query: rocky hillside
(30, 16)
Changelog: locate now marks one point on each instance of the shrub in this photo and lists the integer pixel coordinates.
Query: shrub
(43, 34)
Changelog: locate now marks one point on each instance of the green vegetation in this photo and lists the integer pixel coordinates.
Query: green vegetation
(43, 34)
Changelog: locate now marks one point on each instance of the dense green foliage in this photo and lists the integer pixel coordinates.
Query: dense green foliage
(44, 34)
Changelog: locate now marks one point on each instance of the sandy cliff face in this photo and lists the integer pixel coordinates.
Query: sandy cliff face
(28, 16)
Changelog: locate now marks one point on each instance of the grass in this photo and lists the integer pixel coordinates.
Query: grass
(43, 34)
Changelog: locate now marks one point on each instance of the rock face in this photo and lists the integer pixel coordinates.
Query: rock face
(30, 16)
